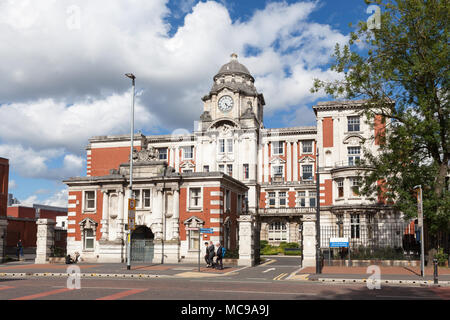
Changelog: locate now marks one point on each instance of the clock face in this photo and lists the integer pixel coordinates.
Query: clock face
(225, 103)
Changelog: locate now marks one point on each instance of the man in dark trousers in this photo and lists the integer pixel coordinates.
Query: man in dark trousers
(19, 250)
(219, 253)
(211, 253)
(208, 263)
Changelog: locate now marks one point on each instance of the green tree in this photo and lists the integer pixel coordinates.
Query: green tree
(401, 71)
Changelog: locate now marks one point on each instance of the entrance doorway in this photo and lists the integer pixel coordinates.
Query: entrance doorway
(142, 247)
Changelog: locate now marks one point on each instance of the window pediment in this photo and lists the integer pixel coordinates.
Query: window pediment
(193, 222)
(307, 159)
(277, 160)
(353, 139)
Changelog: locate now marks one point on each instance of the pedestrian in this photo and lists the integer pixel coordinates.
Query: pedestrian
(220, 254)
(19, 249)
(208, 264)
(211, 253)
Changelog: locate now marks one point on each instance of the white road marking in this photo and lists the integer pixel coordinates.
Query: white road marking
(270, 269)
(288, 293)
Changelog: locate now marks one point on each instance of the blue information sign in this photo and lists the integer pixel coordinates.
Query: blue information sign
(206, 230)
(338, 242)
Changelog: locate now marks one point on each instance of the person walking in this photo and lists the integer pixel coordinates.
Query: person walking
(19, 249)
(208, 263)
(219, 253)
(211, 253)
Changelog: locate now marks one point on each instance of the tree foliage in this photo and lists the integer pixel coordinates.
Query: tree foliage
(401, 70)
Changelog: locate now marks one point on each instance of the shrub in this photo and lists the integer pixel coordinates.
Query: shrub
(232, 254)
(441, 257)
(263, 244)
(293, 253)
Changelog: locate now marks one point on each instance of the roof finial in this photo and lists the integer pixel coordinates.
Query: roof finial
(234, 56)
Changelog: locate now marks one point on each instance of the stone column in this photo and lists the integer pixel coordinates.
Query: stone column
(288, 161)
(120, 222)
(45, 239)
(3, 226)
(105, 215)
(295, 172)
(159, 207)
(309, 241)
(246, 240)
(176, 214)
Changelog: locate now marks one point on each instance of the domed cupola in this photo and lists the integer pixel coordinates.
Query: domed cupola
(236, 77)
(234, 68)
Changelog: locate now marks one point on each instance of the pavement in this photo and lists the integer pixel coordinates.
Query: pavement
(275, 268)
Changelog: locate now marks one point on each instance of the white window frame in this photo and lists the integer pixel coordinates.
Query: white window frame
(193, 236)
(206, 168)
(160, 153)
(277, 228)
(355, 226)
(229, 145)
(312, 196)
(85, 202)
(352, 123)
(227, 199)
(276, 147)
(355, 183)
(222, 146)
(138, 198)
(304, 144)
(303, 166)
(144, 198)
(286, 198)
(269, 197)
(185, 148)
(200, 206)
(301, 195)
(353, 156)
(246, 172)
(274, 172)
(228, 170)
(85, 238)
(340, 184)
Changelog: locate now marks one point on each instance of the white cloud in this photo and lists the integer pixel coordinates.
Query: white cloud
(12, 184)
(35, 164)
(64, 63)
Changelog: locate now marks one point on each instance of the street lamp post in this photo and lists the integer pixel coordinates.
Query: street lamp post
(130, 194)
(318, 260)
(420, 219)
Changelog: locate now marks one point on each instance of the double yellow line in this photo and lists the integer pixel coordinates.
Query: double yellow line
(280, 276)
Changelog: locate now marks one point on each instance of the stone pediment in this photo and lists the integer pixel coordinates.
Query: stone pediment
(276, 160)
(187, 164)
(306, 159)
(354, 140)
(193, 222)
(225, 158)
(88, 223)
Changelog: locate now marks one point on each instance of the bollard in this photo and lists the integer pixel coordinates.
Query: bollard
(435, 274)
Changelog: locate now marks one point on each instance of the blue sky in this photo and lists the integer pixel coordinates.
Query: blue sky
(67, 59)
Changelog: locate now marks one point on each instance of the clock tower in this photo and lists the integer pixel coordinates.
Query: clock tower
(233, 97)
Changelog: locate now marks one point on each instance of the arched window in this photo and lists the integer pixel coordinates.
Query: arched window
(277, 231)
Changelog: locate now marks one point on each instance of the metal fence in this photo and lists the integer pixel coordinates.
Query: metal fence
(371, 241)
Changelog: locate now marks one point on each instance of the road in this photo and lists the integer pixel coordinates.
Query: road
(269, 281)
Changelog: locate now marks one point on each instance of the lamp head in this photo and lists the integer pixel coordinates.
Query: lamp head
(130, 75)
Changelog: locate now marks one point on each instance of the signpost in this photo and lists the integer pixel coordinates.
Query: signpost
(340, 242)
(131, 227)
(200, 231)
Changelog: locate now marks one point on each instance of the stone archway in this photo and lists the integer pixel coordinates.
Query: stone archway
(142, 246)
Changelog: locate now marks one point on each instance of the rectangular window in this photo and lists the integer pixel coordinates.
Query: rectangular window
(162, 153)
(278, 231)
(89, 238)
(137, 197)
(307, 146)
(230, 169)
(340, 185)
(353, 123)
(230, 145)
(146, 198)
(278, 171)
(205, 168)
(227, 199)
(89, 200)
(188, 152)
(278, 147)
(307, 172)
(246, 171)
(355, 186)
(195, 197)
(222, 168)
(187, 170)
(301, 198)
(312, 198)
(193, 240)
(282, 198)
(354, 226)
(272, 198)
(221, 145)
(354, 155)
